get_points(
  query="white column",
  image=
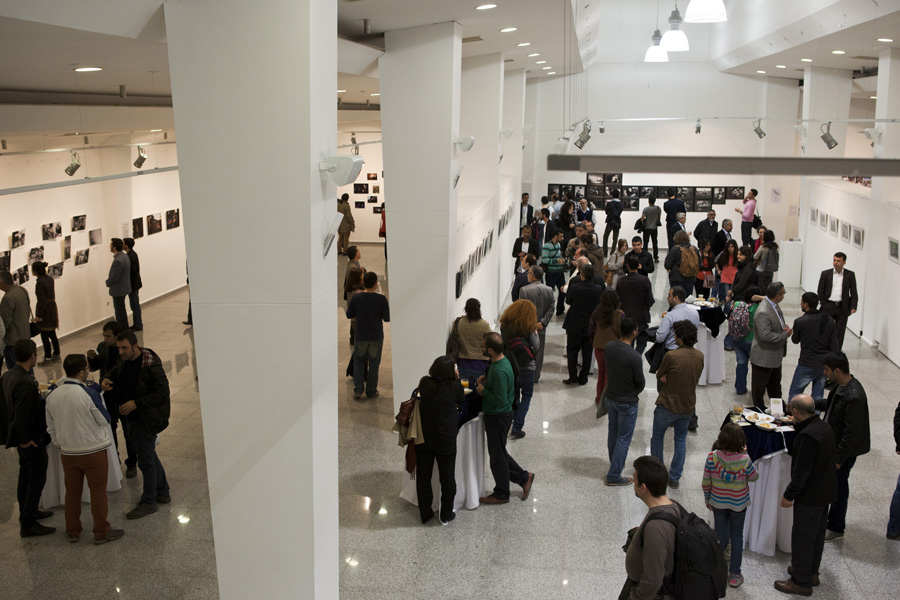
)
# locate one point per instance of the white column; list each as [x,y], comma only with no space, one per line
[826,95]
[420,84]
[514,118]
[781,98]
[481,115]
[254,119]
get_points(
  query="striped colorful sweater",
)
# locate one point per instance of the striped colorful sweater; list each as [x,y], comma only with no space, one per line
[726,479]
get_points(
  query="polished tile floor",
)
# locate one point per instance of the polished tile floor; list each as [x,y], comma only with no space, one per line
[564,542]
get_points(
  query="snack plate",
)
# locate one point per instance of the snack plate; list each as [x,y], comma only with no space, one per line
[745,424]
[468,391]
[755,417]
[705,303]
[766,426]
[784,428]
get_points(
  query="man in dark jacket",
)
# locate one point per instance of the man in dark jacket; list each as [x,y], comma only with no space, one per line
[525,245]
[119,280]
[706,229]
[613,211]
[645,261]
[136,284]
[636,294]
[814,331]
[582,297]
[746,275]
[142,392]
[838,295]
[24,427]
[672,207]
[847,411]
[722,237]
[893,528]
[813,485]
[521,279]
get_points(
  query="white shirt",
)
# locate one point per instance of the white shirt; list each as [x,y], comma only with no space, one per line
[727,236]
[837,285]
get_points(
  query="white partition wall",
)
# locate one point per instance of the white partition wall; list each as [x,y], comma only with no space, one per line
[420,94]
[255,222]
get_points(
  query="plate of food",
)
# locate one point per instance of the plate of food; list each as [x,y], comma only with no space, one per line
[745,424]
[468,391]
[755,417]
[704,303]
[766,426]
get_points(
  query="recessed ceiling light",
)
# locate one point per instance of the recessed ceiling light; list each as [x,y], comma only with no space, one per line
[375,94]
[486,7]
[533,54]
[541,62]
[86,69]
[546,68]
[838,52]
[873,97]
[780,67]
[341,91]
[155,130]
[508,30]
[523,44]
[887,40]
[552,73]
[761,72]
[805,60]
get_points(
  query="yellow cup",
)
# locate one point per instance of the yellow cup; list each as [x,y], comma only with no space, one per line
[465,383]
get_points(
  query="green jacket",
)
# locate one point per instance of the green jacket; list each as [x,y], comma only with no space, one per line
[499,388]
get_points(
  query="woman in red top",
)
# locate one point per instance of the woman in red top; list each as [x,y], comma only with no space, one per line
[726,263]
[759,241]
[707,263]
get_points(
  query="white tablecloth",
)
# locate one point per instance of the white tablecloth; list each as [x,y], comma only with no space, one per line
[469,470]
[767,525]
[55,489]
[713,350]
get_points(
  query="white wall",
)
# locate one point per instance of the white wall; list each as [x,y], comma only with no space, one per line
[367,222]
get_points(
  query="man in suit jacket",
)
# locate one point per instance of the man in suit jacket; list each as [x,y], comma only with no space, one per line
[770,334]
[15,309]
[542,297]
[706,230]
[521,279]
[119,280]
[136,284]
[526,212]
[582,297]
[636,294]
[838,301]
[672,207]
[525,245]
[722,237]
[678,225]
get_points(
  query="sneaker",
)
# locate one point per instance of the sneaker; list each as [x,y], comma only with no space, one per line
[833,536]
[619,482]
[446,521]
[357,396]
[72,539]
[130,472]
[111,536]
[36,530]
[160,499]
[141,510]
[673,484]
[735,580]
[517,435]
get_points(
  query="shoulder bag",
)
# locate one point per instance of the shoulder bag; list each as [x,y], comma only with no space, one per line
[453,340]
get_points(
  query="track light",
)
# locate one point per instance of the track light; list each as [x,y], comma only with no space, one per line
[705,11]
[141,157]
[355,149]
[829,140]
[584,136]
[872,133]
[675,40]
[758,130]
[697,127]
[74,165]
[656,53]
[465,142]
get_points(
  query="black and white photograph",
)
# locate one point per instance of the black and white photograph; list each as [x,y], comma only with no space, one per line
[376,189]
[137,227]
[81,257]
[568,191]
[718,195]
[595,179]
[608,191]
[813,215]
[631,191]
[833,226]
[55,271]
[79,222]
[154,223]
[553,188]
[4,260]
[702,204]
[685,193]
[648,190]
[67,247]
[377,210]
[18,239]
[845,231]
[614,178]
[631,203]
[735,193]
[359,204]
[372,199]
[894,250]
[594,191]
[51,231]
[823,221]
[688,204]
[858,238]
[703,193]
[579,191]
[35,254]
[173,218]
[372,176]
[95,237]
[360,188]
[598,204]
[459,283]
[21,275]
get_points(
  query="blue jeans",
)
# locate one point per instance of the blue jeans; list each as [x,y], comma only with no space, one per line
[362,351]
[722,289]
[155,482]
[526,382]
[837,513]
[894,520]
[803,376]
[663,418]
[742,353]
[135,302]
[622,417]
[729,525]
[558,280]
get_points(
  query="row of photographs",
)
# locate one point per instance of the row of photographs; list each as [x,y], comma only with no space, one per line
[362,203]
[154,223]
[468,268]
[52,231]
[633,204]
[505,218]
[363,188]
[595,192]
[847,232]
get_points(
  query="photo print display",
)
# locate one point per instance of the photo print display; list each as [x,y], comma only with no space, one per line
[95,237]
[51,231]
[372,176]
[55,271]
[579,191]
[688,204]
[647,191]
[595,179]
[703,193]
[21,275]
[685,193]
[631,191]
[67,247]
[858,238]
[18,239]
[823,221]
[832,226]
[137,227]
[608,191]
[360,188]
[154,223]
[614,178]
[631,203]
[79,222]
[894,250]
[81,257]
[845,231]
[359,204]
[702,204]
[376,189]
[718,195]
[553,188]
[372,199]
[566,192]
[35,254]
[4,260]
[173,218]
[594,192]
[813,215]
[377,210]
[735,193]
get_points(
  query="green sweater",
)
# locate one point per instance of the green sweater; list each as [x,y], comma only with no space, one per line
[499,388]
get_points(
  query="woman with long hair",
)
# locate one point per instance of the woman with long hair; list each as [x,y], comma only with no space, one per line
[615,264]
[727,265]
[567,221]
[707,263]
[760,239]
[440,395]
[519,320]
[470,329]
[46,314]
[766,259]
[605,327]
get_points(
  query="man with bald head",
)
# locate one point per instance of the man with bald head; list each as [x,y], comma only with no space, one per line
[812,488]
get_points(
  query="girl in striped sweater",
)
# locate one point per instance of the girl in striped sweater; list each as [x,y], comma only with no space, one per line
[726,479]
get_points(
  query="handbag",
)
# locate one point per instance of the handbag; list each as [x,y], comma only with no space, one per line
[453,340]
[406,409]
[33,328]
[709,280]
[757,221]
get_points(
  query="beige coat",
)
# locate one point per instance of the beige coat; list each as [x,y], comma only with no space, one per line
[348,224]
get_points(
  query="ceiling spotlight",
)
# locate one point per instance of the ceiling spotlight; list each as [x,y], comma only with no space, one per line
[656,53]
[88,69]
[601,128]
[375,94]
[758,130]
[540,62]
[697,127]
[780,67]
[551,72]
[533,54]
[341,91]
[805,60]
[523,44]
[873,97]
[486,7]
[829,140]
[465,142]
[546,68]
[584,136]
[872,133]
[674,40]
[508,30]
[761,72]
[73,166]
[886,40]
[141,157]
[838,52]
[705,11]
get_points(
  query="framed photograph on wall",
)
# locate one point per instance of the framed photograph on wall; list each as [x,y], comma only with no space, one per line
[4,260]
[734,193]
[859,238]
[372,176]
[833,226]
[688,204]
[55,271]
[823,221]
[685,193]
[718,195]
[377,210]
[359,204]
[173,218]
[579,192]
[18,239]
[137,227]
[595,179]
[894,250]
[95,237]
[553,188]
[154,223]
[608,191]
[566,191]
[631,191]
[593,192]
[21,275]
[647,191]
[631,203]
[66,248]
[81,257]
[376,189]
[35,255]
[372,199]
[360,188]
[813,215]
[614,178]
[703,193]
[51,231]
[845,231]
[702,204]
[79,222]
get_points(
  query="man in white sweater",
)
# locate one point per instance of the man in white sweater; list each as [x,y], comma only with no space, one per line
[78,425]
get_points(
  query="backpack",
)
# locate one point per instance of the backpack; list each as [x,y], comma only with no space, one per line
[739,320]
[521,350]
[700,571]
[690,263]
[769,261]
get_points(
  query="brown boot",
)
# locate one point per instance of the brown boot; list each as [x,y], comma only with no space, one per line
[789,587]
[813,579]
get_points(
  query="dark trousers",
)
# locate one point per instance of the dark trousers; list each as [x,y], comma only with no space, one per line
[837,514]
[807,541]
[131,456]
[615,235]
[9,357]
[135,301]
[121,315]
[94,467]
[669,235]
[503,467]
[49,340]
[747,233]
[651,234]
[155,482]
[579,341]
[446,462]
[834,310]
[32,477]
[764,380]
[555,279]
